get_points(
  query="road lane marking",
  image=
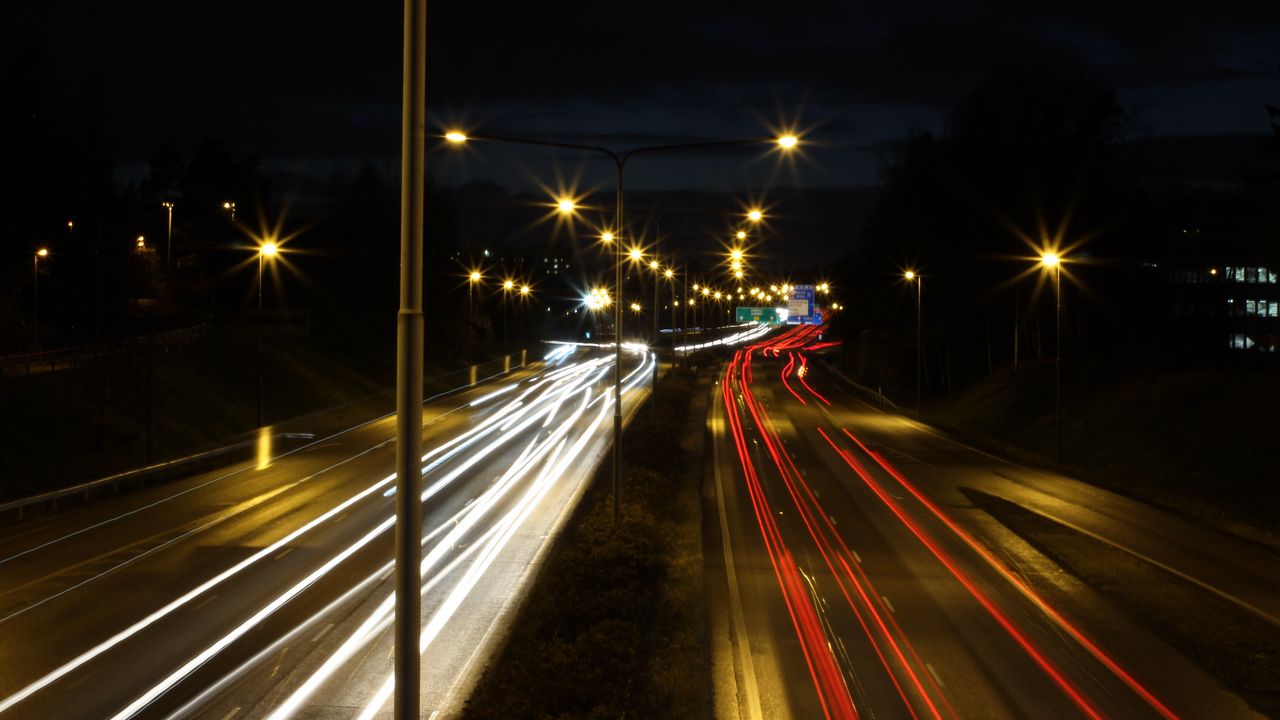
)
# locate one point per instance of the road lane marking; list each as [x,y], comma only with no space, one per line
[234,712]
[322,633]
[751,691]
[856,556]
[282,554]
[935,674]
[888,604]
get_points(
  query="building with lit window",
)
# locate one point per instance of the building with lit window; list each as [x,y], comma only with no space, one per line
[1225,295]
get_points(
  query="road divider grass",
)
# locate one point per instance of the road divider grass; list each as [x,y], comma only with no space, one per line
[614,625]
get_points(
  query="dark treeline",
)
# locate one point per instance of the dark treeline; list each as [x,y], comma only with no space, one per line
[1033,160]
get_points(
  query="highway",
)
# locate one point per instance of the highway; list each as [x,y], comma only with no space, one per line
[849,576]
[264,590]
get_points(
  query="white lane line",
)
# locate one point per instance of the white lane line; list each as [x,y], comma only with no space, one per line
[751,690]
[833,520]
[856,556]
[935,674]
[322,633]
[888,604]
[234,712]
[282,554]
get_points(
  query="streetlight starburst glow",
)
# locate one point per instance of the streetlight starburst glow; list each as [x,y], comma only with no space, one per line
[566,206]
[455,137]
[1050,259]
[788,141]
[268,249]
[755,215]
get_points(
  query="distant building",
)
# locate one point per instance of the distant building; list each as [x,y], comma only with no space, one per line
[1224,295]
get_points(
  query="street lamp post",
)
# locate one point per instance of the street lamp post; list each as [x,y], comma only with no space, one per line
[168,249]
[35,295]
[409,361]
[507,287]
[913,276]
[266,250]
[472,279]
[1052,261]
[786,143]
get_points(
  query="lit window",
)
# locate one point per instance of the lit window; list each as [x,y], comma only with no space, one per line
[1262,274]
[1250,308]
[1239,274]
[1271,277]
[1274,309]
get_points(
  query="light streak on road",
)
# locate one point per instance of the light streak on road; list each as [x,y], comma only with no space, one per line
[832,690]
[1022,587]
[1014,632]
[443,452]
[835,559]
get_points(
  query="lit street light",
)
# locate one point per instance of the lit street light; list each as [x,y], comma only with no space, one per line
[472,279]
[231,208]
[168,251]
[1051,261]
[755,215]
[266,250]
[620,160]
[507,287]
[912,276]
[35,294]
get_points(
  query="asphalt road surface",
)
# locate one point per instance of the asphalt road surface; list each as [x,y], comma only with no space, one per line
[264,589]
[850,577]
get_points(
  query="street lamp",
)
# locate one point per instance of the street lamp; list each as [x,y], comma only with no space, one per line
[620,159]
[267,250]
[507,287]
[913,276]
[1052,261]
[168,250]
[472,279]
[521,312]
[35,293]
[755,215]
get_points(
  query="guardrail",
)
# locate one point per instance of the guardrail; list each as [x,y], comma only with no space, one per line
[875,396]
[53,496]
[51,360]
[436,385]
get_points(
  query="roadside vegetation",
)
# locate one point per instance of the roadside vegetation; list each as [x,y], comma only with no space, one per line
[614,625]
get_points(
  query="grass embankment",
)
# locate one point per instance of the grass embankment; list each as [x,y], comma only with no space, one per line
[614,625]
[1198,442]
[75,425]
[1240,650]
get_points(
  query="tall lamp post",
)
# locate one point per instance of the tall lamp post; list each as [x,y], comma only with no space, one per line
[1052,261]
[913,276]
[472,279]
[35,294]
[266,250]
[168,248]
[786,143]
[507,287]
[409,361]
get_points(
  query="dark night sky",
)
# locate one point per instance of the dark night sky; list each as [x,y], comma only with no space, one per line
[308,85]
